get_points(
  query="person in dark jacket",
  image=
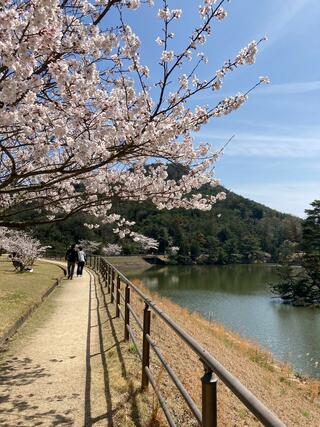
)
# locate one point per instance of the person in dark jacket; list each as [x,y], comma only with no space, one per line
[71,258]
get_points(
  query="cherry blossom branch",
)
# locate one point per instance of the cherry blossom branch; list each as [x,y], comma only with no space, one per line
[79,126]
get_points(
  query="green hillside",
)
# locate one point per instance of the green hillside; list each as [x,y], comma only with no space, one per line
[236,230]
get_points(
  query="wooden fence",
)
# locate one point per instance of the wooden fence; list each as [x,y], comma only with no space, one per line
[120,290]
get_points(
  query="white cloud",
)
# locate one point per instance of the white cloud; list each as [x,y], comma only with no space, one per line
[291,198]
[255,145]
[289,88]
[286,17]
[292,88]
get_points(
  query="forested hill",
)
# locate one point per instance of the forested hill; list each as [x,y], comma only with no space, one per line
[236,230]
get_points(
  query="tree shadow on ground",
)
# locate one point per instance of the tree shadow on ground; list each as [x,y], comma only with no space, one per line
[105,319]
[18,408]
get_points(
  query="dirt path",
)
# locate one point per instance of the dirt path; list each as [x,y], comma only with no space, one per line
[69,366]
[43,368]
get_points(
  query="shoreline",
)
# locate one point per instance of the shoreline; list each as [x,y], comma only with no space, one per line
[300,371]
[295,399]
[139,261]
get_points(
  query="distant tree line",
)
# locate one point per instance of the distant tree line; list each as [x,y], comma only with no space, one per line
[236,230]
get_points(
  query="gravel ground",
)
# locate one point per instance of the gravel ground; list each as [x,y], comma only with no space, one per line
[68,365]
[43,368]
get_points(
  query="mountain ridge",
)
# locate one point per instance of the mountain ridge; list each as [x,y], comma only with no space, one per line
[235,230]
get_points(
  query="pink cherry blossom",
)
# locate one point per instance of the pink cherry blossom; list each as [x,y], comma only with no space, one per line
[84,123]
[112,249]
[26,248]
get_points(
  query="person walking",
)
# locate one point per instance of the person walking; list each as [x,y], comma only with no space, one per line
[81,260]
[71,258]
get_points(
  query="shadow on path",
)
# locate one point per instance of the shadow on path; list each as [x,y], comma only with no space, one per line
[18,408]
[106,326]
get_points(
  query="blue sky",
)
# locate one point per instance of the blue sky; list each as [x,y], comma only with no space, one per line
[274,157]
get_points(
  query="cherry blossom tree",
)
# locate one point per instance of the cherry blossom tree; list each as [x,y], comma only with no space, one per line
[26,248]
[83,122]
[90,246]
[173,250]
[112,249]
[145,242]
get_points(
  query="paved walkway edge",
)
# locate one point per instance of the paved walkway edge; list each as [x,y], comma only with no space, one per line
[19,322]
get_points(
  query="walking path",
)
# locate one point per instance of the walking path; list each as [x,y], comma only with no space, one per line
[42,373]
[69,366]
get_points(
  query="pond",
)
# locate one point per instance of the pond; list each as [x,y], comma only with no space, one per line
[238,296]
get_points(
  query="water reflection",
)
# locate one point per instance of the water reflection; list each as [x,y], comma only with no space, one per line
[238,297]
[238,279]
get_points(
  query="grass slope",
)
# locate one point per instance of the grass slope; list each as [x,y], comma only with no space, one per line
[129,263]
[296,401]
[20,291]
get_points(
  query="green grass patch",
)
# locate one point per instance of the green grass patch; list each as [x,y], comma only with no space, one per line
[20,291]
[243,413]
[132,348]
[262,360]
[305,413]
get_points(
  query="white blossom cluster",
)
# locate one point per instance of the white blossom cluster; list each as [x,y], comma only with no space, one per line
[90,246]
[207,8]
[173,250]
[82,123]
[248,54]
[112,249]
[26,247]
[230,104]
[167,56]
[166,14]
[146,243]
[264,80]
[91,226]
[123,228]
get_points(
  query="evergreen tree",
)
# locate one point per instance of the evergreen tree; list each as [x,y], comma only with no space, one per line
[238,230]
[302,286]
[195,250]
[250,247]
[311,242]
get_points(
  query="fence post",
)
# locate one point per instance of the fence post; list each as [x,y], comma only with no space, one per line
[209,398]
[112,285]
[126,312]
[108,278]
[118,296]
[105,270]
[145,346]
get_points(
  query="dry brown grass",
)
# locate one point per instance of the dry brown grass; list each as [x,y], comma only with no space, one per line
[295,401]
[129,263]
[120,366]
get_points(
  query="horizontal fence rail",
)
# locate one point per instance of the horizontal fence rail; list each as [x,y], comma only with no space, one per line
[120,289]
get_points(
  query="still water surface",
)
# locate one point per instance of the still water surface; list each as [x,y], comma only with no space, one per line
[239,298]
